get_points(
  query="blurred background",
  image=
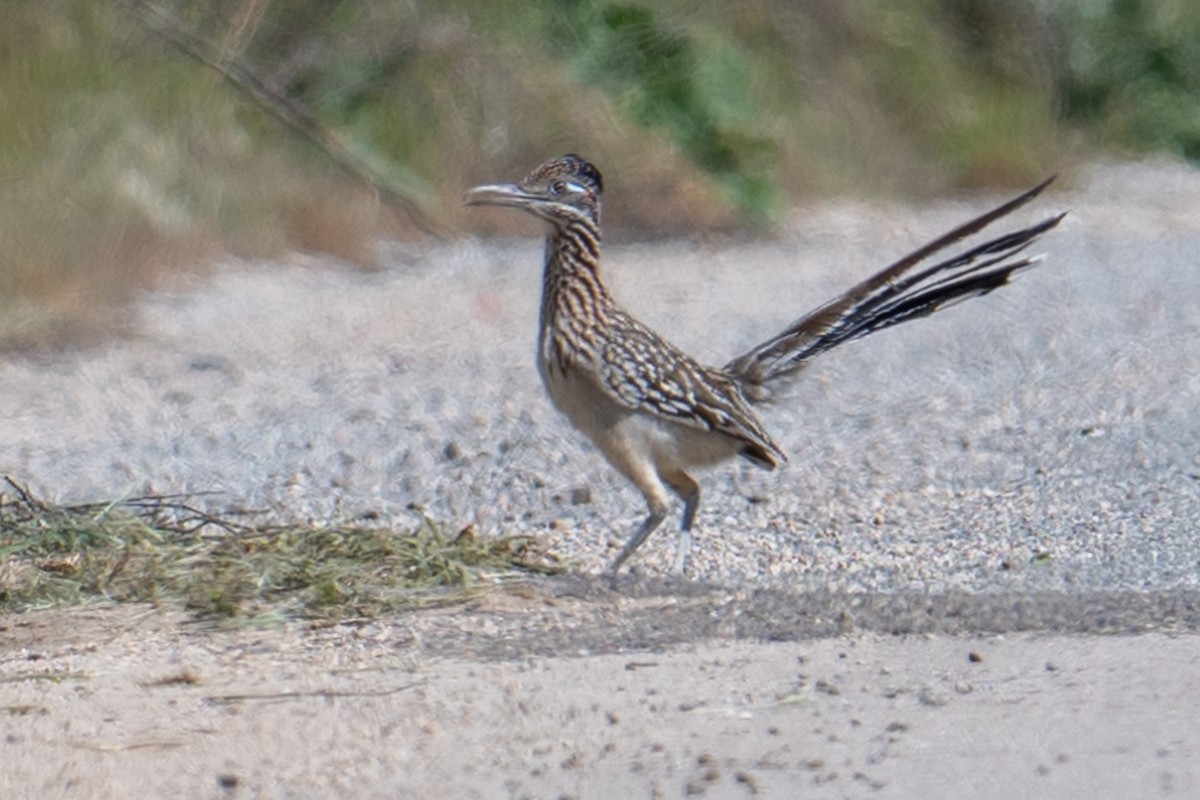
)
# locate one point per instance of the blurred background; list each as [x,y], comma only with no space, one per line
[139,139]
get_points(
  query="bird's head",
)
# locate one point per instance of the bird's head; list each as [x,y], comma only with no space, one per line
[562,190]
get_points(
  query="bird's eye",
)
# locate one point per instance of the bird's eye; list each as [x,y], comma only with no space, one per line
[558,188]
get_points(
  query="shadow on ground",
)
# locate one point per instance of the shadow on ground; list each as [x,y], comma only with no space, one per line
[580,614]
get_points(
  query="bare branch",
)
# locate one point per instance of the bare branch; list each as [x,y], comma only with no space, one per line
[164,24]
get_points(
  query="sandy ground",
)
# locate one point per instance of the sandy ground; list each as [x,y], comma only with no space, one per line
[978,577]
[121,703]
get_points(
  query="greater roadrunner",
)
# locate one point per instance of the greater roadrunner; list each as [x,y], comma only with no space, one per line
[653,411]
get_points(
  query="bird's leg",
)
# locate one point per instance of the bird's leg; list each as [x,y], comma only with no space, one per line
[682,550]
[656,517]
[691,502]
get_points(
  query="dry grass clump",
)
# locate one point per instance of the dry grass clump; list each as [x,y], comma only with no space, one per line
[163,550]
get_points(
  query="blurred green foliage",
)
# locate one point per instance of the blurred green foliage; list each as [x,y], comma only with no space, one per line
[1131,72]
[119,154]
[693,89]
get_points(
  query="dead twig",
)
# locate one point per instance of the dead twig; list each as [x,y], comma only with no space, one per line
[160,21]
[274,697]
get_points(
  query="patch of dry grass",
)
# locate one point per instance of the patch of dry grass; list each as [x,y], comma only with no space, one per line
[164,550]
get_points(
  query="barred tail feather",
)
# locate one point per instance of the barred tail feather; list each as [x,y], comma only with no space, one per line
[897,294]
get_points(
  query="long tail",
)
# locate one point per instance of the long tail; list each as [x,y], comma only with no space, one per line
[898,293]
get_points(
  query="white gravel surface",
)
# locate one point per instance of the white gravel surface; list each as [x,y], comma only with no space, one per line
[1041,438]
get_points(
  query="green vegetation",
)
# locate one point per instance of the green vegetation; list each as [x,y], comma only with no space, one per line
[122,156]
[162,550]
[1132,73]
[692,88]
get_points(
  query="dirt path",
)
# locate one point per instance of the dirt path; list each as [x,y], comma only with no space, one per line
[128,702]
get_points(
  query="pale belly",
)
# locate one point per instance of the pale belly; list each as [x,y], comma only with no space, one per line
[632,439]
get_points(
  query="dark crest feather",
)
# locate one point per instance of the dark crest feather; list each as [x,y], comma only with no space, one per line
[582,169]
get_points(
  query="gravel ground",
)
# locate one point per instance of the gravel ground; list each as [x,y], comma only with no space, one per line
[908,608]
[1041,438]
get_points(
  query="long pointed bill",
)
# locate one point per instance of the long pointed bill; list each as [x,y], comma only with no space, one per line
[498,194]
